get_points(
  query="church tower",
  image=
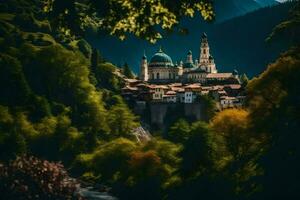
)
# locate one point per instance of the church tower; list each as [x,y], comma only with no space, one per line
[144,69]
[204,51]
[206,61]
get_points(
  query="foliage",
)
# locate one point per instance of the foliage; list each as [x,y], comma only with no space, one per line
[57,111]
[106,78]
[238,148]
[289,29]
[51,137]
[121,120]
[12,143]
[208,105]
[67,81]
[220,155]
[132,168]
[179,131]
[231,125]
[199,170]
[31,178]
[13,85]
[274,109]
[198,151]
[244,80]
[145,19]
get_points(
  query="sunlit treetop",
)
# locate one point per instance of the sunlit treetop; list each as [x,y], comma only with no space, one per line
[146,19]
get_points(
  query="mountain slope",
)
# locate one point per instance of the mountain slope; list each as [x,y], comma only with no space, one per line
[265,3]
[226,9]
[242,43]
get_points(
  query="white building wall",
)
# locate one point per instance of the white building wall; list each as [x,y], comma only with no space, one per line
[162,73]
[188,97]
[158,94]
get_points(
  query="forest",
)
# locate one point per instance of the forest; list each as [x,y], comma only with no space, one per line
[64,122]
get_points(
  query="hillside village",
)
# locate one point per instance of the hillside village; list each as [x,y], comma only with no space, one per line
[161,81]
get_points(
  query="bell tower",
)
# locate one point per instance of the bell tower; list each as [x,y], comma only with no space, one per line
[206,61]
[144,69]
[204,51]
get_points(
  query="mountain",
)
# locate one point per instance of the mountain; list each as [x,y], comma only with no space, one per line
[241,42]
[226,9]
[236,43]
[265,3]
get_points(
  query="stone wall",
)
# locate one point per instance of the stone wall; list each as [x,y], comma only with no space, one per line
[162,112]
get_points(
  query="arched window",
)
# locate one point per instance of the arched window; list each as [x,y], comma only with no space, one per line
[204,51]
[170,76]
[157,76]
[152,76]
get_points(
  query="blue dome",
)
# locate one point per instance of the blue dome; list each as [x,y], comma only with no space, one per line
[160,59]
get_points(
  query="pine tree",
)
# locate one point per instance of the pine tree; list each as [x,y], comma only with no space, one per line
[95,59]
[244,79]
[127,71]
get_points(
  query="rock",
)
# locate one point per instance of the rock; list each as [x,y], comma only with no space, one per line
[89,194]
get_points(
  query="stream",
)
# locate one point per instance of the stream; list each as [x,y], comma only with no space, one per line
[90,194]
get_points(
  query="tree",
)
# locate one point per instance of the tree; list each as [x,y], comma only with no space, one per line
[96,59]
[208,106]
[13,84]
[237,149]
[244,80]
[121,120]
[12,143]
[127,71]
[179,132]
[67,81]
[198,151]
[139,18]
[199,169]
[106,77]
[273,100]
[134,169]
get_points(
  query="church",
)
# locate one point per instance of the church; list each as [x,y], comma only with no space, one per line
[161,68]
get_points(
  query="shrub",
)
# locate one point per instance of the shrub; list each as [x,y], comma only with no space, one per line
[31,178]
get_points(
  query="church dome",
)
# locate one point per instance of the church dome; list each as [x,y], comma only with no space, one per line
[160,59]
